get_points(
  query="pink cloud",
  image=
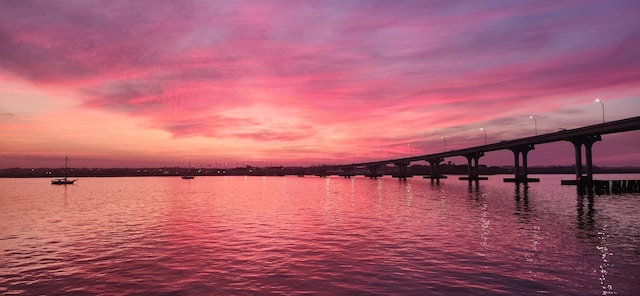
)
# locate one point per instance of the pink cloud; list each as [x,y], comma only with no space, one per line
[376,74]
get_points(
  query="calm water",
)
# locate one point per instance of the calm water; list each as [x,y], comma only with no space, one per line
[290,235]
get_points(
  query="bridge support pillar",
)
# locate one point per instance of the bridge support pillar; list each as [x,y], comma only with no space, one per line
[472,166]
[584,174]
[520,173]
[373,171]
[348,171]
[322,172]
[435,169]
[402,170]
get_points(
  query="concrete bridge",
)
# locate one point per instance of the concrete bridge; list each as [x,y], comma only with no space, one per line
[579,137]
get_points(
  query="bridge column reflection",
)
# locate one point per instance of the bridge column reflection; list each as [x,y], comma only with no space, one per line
[523,211]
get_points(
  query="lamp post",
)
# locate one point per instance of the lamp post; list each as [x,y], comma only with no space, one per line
[601,103]
[535,122]
[409,145]
[485,135]
[445,143]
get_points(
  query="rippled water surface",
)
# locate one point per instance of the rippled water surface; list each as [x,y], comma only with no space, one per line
[291,235]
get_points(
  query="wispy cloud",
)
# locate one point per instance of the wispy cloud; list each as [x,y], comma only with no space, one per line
[292,72]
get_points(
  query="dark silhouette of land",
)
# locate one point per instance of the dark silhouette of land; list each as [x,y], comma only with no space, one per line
[417,169]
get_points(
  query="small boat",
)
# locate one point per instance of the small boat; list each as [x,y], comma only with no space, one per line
[189,175]
[63,181]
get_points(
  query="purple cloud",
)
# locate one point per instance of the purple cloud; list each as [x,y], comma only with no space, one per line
[366,70]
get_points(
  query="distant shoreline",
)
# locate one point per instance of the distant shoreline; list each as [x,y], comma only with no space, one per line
[447,169]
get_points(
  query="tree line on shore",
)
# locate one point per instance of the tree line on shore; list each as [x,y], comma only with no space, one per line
[416,169]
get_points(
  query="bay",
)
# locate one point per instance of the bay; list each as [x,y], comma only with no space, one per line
[320,236]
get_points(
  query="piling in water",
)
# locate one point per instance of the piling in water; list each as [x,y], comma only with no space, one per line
[608,187]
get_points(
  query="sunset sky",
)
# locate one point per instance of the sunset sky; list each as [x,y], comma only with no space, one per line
[163,83]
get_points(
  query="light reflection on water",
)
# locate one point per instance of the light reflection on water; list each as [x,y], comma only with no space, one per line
[290,235]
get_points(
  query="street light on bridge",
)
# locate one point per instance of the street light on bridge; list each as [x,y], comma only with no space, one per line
[410,153]
[445,143]
[601,103]
[535,122]
[485,134]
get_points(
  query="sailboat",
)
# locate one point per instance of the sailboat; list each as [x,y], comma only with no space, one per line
[63,181]
[188,175]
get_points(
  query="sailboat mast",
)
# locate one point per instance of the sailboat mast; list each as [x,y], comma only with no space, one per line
[66,167]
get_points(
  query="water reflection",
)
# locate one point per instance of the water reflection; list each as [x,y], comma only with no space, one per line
[596,235]
[586,223]
[316,236]
[605,255]
[409,195]
[522,212]
[64,194]
[484,234]
[379,195]
[479,201]
[524,215]
[329,203]
[474,186]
